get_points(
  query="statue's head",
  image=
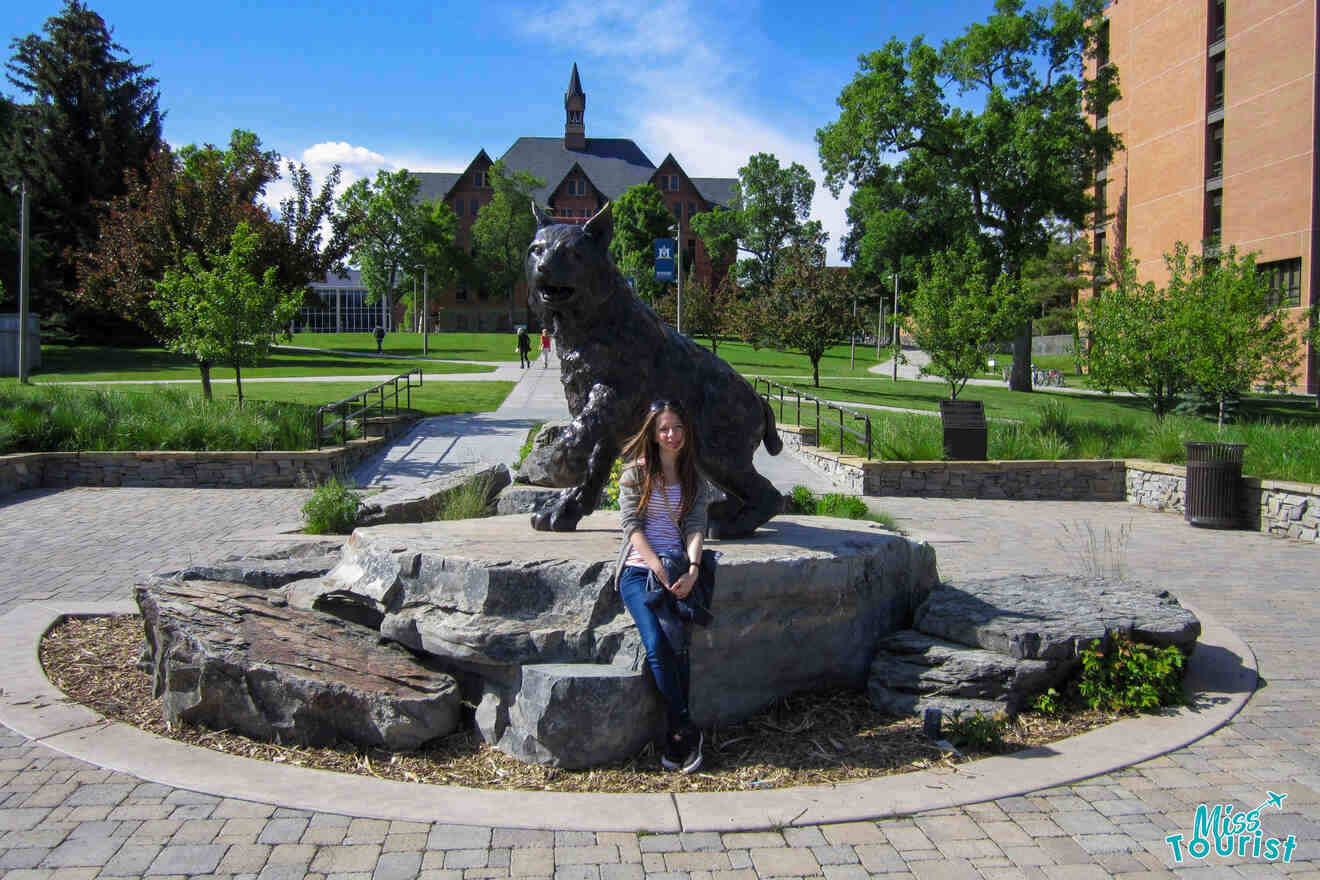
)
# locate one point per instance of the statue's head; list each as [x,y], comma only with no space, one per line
[568,266]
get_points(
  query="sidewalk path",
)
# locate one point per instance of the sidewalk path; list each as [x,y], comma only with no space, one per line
[60,817]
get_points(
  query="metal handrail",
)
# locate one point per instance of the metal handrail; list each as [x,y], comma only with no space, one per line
[863,436]
[346,410]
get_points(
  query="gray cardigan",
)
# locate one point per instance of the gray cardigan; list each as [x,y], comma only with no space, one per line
[632,519]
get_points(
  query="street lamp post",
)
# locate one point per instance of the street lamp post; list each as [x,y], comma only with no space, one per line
[678,272]
[896,345]
[24,267]
[852,337]
[426,323]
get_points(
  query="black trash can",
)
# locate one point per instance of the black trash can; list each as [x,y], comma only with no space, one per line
[1214,485]
[965,433]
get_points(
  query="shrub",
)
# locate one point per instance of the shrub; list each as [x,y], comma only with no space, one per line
[332,509]
[1128,676]
[468,501]
[842,506]
[975,731]
[609,495]
[800,500]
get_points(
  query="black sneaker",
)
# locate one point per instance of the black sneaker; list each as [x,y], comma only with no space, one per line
[691,744]
[671,758]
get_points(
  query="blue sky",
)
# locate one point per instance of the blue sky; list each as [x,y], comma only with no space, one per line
[424,86]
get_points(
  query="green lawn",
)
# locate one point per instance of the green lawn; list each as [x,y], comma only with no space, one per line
[769,362]
[458,346]
[432,399]
[111,364]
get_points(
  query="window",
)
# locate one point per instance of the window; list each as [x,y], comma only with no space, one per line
[1285,277]
[458,207]
[1102,45]
[1099,254]
[1218,20]
[673,183]
[1215,159]
[1214,217]
[663,182]
[474,206]
[1101,190]
[692,209]
[1217,84]
[479,178]
[691,247]
[677,210]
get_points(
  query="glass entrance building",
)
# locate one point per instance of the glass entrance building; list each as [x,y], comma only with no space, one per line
[343,307]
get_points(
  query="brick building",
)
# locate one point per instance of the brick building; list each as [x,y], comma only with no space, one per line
[581,174]
[1219,125]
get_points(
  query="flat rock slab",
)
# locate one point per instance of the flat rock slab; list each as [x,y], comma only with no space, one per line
[913,671]
[518,498]
[798,605]
[273,569]
[232,656]
[1051,617]
[421,501]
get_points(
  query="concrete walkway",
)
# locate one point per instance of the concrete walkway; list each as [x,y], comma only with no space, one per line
[64,817]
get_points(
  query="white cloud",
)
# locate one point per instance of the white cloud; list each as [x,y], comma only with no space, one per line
[356,162]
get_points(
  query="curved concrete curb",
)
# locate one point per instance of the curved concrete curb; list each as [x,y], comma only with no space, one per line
[1222,671]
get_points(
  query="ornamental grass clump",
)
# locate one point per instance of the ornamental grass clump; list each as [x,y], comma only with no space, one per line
[332,509]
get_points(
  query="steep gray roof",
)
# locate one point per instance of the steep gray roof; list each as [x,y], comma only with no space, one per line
[716,190]
[574,84]
[612,164]
[435,184]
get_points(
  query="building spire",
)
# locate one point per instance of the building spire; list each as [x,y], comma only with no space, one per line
[575,108]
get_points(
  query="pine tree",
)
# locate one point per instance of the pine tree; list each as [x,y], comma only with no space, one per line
[92,114]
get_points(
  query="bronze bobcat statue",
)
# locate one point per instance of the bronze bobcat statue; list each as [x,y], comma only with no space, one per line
[617,357]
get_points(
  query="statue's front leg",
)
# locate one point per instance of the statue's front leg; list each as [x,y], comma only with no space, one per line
[588,447]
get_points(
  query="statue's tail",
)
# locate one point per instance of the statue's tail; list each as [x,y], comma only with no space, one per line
[770,437]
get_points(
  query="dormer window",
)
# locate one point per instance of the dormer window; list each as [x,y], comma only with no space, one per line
[479,178]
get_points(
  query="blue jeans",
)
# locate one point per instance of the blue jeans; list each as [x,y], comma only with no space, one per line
[671,669]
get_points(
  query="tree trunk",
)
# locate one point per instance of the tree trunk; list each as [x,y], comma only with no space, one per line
[1020,378]
[715,345]
[205,367]
[238,381]
[815,372]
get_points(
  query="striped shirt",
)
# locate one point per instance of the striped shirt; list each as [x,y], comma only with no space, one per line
[661,528]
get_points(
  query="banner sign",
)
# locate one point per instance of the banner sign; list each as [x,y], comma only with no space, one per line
[664,259]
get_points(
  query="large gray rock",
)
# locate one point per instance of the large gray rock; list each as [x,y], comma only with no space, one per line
[572,714]
[1050,617]
[229,656]
[538,467]
[912,672]
[524,499]
[279,566]
[800,605]
[421,501]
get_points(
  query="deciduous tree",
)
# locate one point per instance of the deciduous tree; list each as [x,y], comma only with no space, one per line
[385,230]
[229,311]
[1026,156]
[504,228]
[961,307]
[809,307]
[767,214]
[445,262]
[640,217]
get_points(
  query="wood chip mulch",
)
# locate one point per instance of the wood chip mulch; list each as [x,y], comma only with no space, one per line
[806,739]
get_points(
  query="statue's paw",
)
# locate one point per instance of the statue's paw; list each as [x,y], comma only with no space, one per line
[562,516]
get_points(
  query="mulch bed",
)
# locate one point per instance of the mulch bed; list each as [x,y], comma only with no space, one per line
[806,739]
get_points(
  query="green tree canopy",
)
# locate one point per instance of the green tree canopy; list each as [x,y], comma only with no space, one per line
[91,114]
[640,217]
[504,228]
[226,311]
[809,307]
[961,307]
[767,214]
[1025,157]
[437,251]
[385,229]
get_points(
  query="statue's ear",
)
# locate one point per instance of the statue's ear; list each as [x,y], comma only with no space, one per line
[601,226]
[542,218]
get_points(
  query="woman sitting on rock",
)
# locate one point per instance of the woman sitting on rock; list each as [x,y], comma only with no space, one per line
[662,505]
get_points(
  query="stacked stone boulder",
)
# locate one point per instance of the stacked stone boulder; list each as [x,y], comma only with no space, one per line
[991,645]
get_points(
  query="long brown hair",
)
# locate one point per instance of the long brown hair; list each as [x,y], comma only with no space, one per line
[643,446]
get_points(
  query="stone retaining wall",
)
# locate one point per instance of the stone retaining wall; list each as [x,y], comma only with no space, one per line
[1290,510]
[203,470]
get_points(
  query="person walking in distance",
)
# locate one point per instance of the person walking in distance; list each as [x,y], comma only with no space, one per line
[545,347]
[524,348]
